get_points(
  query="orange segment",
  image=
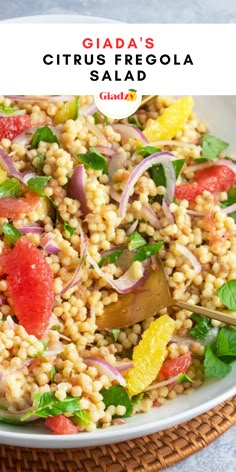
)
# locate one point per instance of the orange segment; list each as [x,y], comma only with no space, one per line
[149,354]
[171,121]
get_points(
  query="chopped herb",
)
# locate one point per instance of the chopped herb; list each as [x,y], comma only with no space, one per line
[37,184]
[46,404]
[110,258]
[52,209]
[9,188]
[115,333]
[147,251]
[39,353]
[7,110]
[134,121]
[213,366]
[136,399]
[225,346]
[212,147]
[52,373]
[182,378]
[68,229]
[39,162]
[43,134]
[82,418]
[56,327]
[98,115]
[202,326]
[231,198]
[94,160]
[10,421]
[146,151]
[136,240]
[227,294]
[117,395]
[11,232]
[178,166]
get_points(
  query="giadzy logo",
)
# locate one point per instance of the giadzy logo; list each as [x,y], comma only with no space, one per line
[118,104]
[130,95]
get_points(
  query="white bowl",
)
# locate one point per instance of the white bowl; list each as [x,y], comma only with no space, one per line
[219,112]
[59,18]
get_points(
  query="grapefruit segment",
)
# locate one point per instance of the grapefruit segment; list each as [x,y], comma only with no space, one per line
[30,285]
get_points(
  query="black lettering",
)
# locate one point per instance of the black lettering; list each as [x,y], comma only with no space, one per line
[77,60]
[188,60]
[66,56]
[46,59]
[117,58]
[128,60]
[94,75]
[141,75]
[101,59]
[165,59]
[106,76]
[151,59]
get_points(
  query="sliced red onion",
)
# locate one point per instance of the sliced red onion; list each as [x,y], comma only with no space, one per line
[54,350]
[34,229]
[76,188]
[10,323]
[229,209]
[118,421]
[190,256]
[123,366]
[76,279]
[115,195]
[132,228]
[167,212]
[111,250]
[149,215]
[226,162]
[105,368]
[9,165]
[129,131]
[194,213]
[3,300]
[14,113]
[87,110]
[48,244]
[28,98]
[156,385]
[5,414]
[116,163]
[126,283]
[97,132]
[105,150]
[163,158]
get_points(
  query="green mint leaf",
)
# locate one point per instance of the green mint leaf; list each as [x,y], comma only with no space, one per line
[115,333]
[37,184]
[227,294]
[11,232]
[212,147]
[146,151]
[214,367]
[225,347]
[46,404]
[9,188]
[52,209]
[147,251]
[110,258]
[68,229]
[43,134]
[39,162]
[82,418]
[182,378]
[99,117]
[117,395]
[136,240]
[94,160]
[178,166]
[202,327]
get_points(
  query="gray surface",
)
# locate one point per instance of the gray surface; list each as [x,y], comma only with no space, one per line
[221,455]
[133,11]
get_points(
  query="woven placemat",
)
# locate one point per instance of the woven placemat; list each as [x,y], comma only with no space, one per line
[147,454]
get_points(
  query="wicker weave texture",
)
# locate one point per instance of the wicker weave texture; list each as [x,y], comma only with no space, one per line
[147,454]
